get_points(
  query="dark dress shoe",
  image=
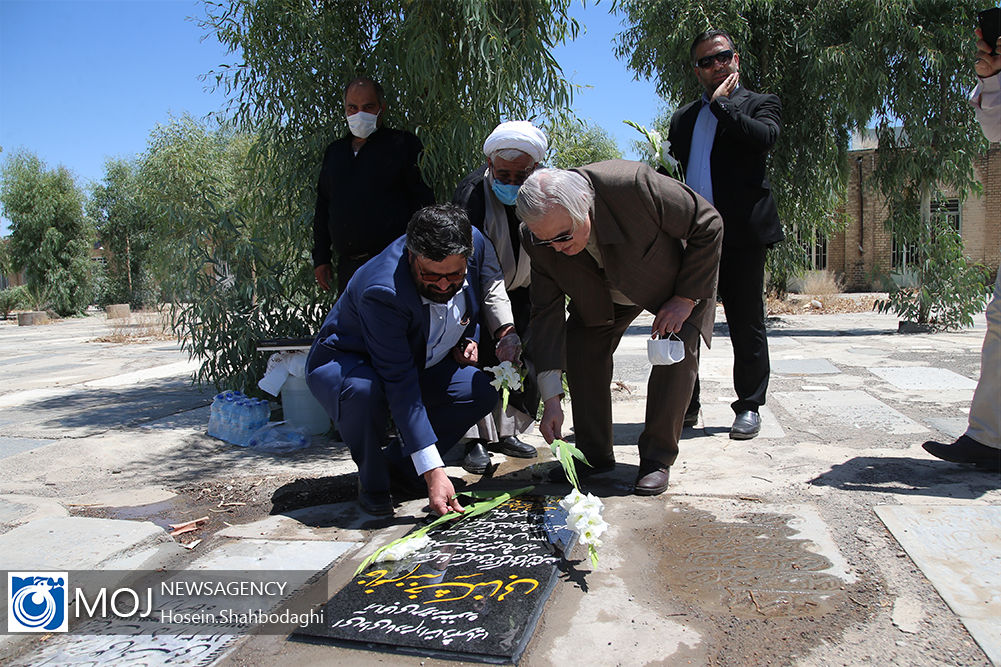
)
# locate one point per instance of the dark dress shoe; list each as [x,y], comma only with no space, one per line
[745,426]
[477,460]
[966,450]
[652,479]
[376,504]
[558,476]
[512,446]
[691,418]
[406,487]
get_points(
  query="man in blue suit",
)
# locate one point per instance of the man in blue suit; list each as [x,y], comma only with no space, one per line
[402,341]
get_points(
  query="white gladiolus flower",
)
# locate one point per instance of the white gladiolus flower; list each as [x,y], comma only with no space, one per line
[506,376]
[404,549]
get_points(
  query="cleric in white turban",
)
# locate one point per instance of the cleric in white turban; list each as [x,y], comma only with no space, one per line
[513,150]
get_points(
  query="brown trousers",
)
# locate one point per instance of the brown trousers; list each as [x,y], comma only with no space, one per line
[589,376]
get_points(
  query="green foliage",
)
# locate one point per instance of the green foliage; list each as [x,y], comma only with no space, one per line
[229,271]
[451,69]
[50,237]
[835,66]
[123,224]
[13,298]
[574,143]
[950,289]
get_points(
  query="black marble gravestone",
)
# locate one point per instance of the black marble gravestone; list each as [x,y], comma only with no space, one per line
[475,593]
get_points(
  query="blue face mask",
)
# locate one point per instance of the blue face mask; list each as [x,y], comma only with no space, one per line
[507,194]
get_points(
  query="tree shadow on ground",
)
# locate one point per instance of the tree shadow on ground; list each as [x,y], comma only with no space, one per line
[899,475]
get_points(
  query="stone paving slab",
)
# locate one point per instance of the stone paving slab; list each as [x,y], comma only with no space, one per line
[951,426]
[959,550]
[853,409]
[923,378]
[11,446]
[74,542]
[803,367]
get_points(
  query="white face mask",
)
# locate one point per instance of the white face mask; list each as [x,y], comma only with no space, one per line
[665,351]
[362,124]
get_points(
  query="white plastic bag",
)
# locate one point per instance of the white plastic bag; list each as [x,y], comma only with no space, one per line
[278,438]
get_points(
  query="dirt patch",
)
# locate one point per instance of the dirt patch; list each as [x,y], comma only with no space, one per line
[802,304]
[758,592]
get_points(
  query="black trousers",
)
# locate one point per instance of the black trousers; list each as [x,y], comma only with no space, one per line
[741,286]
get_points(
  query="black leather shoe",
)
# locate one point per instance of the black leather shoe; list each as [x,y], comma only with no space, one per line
[512,446]
[966,450]
[376,504]
[691,418]
[557,476]
[652,479]
[477,460]
[745,426]
[407,487]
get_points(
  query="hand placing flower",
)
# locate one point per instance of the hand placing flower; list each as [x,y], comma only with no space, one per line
[507,378]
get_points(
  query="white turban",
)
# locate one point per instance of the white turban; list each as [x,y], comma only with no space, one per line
[520,135]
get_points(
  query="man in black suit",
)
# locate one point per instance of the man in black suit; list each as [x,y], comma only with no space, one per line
[723,140]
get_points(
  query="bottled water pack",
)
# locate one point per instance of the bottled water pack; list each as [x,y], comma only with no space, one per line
[234,416]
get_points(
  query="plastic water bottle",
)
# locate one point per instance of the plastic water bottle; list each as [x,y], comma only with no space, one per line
[261,414]
[228,430]
[215,415]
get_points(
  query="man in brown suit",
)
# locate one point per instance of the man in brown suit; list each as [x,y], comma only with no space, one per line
[617,238]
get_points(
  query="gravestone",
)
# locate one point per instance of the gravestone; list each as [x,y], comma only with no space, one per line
[474,593]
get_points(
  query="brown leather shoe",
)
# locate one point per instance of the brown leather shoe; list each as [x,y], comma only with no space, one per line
[652,479]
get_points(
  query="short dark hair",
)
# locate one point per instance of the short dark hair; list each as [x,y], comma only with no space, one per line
[366,81]
[706,36]
[437,232]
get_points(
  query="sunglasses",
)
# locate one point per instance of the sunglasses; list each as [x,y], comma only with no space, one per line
[433,277]
[721,57]
[562,238]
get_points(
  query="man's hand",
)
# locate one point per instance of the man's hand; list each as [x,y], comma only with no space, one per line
[986,65]
[552,419]
[441,493]
[324,275]
[466,353]
[727,87]
[672,315]
[509,348]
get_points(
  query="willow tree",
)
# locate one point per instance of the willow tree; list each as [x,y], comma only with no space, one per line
[452,70]
[836,66]
[50,237]
[574,143]
[120,216]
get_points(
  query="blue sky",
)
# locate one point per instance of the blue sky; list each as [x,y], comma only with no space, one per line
[85,80]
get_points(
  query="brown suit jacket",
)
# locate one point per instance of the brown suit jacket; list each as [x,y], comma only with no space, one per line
[657,238]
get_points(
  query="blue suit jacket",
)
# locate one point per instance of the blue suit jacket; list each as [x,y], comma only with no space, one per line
[380,320]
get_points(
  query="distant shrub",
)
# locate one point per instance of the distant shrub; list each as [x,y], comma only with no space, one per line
[14,298]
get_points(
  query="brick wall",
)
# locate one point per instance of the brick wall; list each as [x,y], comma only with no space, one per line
[867,212]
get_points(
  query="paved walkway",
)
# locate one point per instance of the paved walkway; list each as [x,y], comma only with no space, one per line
[830,539]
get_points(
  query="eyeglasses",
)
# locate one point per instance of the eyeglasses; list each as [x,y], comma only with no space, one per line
[512,177]
[721,57]
[561,238]
[433,277]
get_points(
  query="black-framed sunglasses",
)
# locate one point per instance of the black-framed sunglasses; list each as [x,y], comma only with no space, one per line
[561,238]
[433,277]
[721,57]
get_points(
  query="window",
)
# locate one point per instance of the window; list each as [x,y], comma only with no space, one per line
[814,248]
[949,208]
[905,253]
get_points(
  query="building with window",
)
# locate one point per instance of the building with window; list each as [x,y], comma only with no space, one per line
[867,248]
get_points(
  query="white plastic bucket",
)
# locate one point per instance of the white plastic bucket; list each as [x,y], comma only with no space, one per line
[301,408]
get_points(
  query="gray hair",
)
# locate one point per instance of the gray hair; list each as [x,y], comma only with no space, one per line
[509,154]
[546,189]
